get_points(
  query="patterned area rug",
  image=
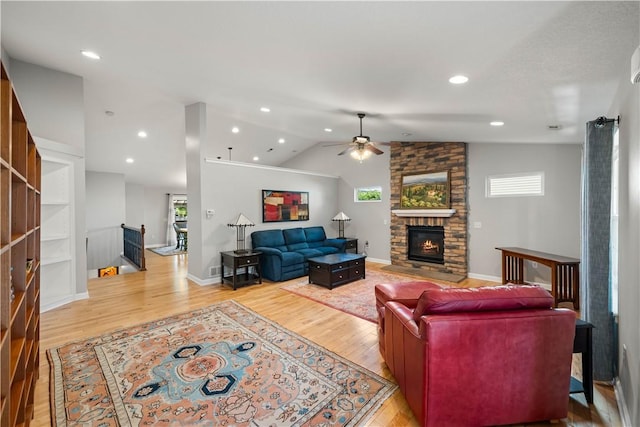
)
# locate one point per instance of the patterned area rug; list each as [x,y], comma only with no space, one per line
[356,298]
[167,251]
[221,365]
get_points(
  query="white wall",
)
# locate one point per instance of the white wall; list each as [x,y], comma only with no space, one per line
[134,204]
[370,221]
[105,199]
[627,105]
[53,102]
[549,223]
[105,212]
[239,190]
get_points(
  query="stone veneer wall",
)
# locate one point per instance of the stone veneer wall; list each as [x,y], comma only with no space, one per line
[410,158]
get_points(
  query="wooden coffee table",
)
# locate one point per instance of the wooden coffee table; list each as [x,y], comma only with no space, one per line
[336,269]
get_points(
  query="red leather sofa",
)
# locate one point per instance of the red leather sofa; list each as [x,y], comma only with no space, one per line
[477,356]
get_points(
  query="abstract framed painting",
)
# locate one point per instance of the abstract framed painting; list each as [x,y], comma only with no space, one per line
[282,206]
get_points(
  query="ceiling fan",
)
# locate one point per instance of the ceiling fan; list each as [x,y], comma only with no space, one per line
[361,146]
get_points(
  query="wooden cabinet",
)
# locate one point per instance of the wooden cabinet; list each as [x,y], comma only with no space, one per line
[19,261]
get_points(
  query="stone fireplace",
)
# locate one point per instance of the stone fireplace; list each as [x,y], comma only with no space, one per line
[412,158]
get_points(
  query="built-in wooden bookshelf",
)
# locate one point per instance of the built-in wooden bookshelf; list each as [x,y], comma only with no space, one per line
[20,184]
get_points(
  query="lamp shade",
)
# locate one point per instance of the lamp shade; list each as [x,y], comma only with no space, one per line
[341,216]
[241,221]
[240,224]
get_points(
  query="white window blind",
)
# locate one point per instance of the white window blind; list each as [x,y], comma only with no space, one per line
[523,184]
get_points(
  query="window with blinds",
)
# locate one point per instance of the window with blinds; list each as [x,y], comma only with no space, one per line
[514,185]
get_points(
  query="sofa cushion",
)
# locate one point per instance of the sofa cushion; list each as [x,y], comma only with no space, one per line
[309,253]
[295,239]
[326,250]
[315,236]
[488,298]
[268,238]
[291,258]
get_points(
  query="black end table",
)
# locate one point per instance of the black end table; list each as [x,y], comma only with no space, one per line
[240,265]
[582,344]
[351,244]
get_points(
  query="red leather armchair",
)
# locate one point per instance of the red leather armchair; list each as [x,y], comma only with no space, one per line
[478,356]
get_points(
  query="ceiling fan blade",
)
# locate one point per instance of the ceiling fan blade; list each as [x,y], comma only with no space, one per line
[373,148]
[333,144]
[347,150]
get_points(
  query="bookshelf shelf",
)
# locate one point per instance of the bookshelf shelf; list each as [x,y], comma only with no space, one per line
[20,181]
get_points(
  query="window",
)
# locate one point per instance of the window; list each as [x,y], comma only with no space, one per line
[367,194]
[522,184]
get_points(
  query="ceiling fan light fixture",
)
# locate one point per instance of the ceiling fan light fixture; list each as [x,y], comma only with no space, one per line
[361,154]
[361,139]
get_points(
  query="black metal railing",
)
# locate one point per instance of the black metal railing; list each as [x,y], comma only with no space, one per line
[133,239]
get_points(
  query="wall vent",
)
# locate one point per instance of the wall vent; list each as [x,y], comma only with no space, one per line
[214,271]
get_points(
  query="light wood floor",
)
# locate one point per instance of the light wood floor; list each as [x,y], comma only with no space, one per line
[124,300]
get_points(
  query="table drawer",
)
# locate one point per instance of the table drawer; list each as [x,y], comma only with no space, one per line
[340,275]
[251,260]
[356,272]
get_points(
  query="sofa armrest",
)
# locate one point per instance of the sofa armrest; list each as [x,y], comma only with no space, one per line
[340,244]
[269,251]
[404,314]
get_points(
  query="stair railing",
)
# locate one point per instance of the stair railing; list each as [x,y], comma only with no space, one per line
[133,239]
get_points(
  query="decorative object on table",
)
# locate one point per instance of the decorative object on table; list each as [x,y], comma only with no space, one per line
[341,217]
[29,265]
[220,365]
[279,206]
[425,191]
[112,270]
[240,224]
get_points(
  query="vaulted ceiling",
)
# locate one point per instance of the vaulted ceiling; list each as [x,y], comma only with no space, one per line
[315,65]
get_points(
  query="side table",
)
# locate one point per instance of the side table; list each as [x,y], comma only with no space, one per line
[351,244]
[582,344]
[240,265]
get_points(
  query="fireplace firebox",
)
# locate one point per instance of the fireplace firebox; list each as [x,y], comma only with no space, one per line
[425,243]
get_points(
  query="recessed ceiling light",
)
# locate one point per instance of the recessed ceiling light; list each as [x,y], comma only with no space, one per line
[90,54]
[281,141]
[235,129]
[497,123]
[459,79]
[265,109]
[142,134]
[109,113]
[256,158]
[129,160]
[328,130]
[406,134]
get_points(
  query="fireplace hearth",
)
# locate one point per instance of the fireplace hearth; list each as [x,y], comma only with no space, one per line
[425,243]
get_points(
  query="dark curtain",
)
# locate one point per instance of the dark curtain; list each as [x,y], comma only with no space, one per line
[595,263]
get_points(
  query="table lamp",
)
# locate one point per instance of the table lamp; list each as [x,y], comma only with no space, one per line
[240,224]
[341,218]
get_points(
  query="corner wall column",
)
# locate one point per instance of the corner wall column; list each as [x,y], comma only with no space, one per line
[196,137]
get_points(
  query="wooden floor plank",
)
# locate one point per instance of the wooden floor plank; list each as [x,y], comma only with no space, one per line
[121,301]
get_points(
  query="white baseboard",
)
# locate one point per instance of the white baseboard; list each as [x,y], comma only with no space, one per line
[380,261]
[484,277]
[206,282]
[63,301]
[622,406]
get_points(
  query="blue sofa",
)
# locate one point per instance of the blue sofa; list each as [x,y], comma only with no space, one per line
[285,252]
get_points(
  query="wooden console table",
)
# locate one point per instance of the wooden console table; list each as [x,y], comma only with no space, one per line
[565,275]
